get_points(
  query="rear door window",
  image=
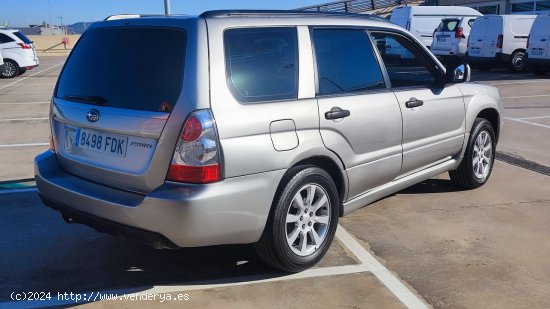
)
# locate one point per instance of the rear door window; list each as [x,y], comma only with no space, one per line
[126,67]
[262,63]
[5,39]
[345,61]
[447,25]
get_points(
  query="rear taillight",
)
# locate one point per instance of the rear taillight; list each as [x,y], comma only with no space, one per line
[459,34]
[196,157]
[24,45]
[500,40]
[52,145]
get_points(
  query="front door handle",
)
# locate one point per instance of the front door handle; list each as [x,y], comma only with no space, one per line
[543,40]
[336,113]
[414,102]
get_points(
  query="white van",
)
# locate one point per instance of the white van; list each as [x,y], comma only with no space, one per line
[421,21]
[538,55]
[500,39]
[450,39]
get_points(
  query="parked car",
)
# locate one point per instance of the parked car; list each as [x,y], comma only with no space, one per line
[235,135]
[19,53]
[450,39]
[421,21]
[537,45]
[2,66]
[500,39]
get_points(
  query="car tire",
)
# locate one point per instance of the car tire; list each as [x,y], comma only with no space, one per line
[302,221]
[477,164]
[11,69]
[22,71]
[517,62]
[541,71]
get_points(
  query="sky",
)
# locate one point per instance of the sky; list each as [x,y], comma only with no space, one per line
[20,13]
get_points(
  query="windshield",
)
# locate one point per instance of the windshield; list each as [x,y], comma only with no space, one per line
[126,67]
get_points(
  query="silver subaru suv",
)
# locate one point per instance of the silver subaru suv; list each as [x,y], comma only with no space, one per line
[263,127]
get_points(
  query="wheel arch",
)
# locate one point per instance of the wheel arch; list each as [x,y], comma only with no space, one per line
[330,166]
[11,59]
[493,116]
[523,50]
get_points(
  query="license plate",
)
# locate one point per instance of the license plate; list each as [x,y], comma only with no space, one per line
[475,51]
[441,40]
[84,139]
[537,52]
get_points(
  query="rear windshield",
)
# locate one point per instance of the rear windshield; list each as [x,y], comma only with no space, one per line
[447,25]
[22,37]
[126,67]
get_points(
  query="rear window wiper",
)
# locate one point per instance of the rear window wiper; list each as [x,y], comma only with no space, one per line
[97,100]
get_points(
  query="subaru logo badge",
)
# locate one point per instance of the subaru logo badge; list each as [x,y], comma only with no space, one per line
[92,115]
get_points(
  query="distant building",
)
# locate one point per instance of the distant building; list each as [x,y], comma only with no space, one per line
[502,6]
[43,29]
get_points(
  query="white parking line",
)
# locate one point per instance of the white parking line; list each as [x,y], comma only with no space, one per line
[368,263]
[23,119]
[528,122]
[24,145]
[521,82]
[23,103]
[538,117]
[24,78]
[39,84]
[527,96]
[389,280]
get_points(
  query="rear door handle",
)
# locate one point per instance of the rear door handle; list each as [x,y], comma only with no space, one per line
[336,113]
[543,40]
[414,102]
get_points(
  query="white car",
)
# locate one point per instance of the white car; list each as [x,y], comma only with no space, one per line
[450,39]
[537,45]
[18,52]
[1,61]
[500,39]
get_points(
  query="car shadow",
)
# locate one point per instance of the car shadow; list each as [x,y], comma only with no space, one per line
[42,253]
[432,186]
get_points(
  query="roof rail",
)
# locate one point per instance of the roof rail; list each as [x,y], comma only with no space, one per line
[126,16]
[292,13]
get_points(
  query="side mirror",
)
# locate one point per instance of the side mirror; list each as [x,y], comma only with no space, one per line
[460,74]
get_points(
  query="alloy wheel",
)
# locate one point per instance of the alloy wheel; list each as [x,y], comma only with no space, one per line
[308,219]
[482,155]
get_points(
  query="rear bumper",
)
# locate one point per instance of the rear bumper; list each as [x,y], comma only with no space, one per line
[233,211]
